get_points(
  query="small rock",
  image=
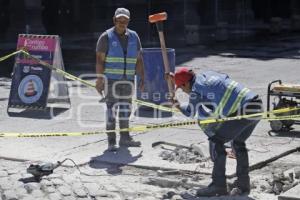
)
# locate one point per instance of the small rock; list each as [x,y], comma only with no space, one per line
[235,192]
[297,172]
[176,197]
[80,193]
[286,187]
[277,187]
[289,175]
[197,149]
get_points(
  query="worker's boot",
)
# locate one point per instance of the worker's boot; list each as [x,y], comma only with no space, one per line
[112,145]
[127,141]
[240,187]
[212,190]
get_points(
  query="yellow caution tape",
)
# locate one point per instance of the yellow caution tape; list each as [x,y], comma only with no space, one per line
[271,115]
[74,78]
[143,128]
[10,55]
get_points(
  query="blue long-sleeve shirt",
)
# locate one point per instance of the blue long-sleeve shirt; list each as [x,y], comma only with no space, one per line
[214,95]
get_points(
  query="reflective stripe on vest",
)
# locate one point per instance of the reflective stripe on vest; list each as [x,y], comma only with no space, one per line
[223,103]
[238,100]
[226,96]
[120,71]
[120,60]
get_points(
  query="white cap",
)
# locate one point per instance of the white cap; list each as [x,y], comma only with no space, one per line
[122,12]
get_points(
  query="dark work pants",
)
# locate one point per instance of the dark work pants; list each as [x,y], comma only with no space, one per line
[236,131]
[118,102]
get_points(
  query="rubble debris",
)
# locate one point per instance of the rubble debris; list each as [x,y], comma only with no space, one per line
[171,183]
[184,155]
[197,150]
[169,195]
[297,172]
[168,172]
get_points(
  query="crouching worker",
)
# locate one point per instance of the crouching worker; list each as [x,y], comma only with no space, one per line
[215,95]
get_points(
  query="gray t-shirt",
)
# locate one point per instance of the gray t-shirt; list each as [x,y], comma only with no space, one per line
[102,43]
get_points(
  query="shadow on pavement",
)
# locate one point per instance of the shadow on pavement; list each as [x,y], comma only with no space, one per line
[148,112]
[48,113]
[191,195]
[119,158]
[290,133]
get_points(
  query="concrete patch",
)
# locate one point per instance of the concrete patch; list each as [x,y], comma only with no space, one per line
[292,194]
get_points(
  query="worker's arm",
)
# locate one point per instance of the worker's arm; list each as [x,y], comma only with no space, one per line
[100,59]
[194,106]
[140,71]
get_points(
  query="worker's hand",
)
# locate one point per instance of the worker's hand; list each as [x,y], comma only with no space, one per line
[175,103]
[141,85]
[100,84]
[169,76]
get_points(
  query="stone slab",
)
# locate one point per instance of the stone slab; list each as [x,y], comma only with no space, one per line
[291,194]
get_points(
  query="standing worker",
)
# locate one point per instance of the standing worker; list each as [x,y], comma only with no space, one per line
[118,59]
[215,95]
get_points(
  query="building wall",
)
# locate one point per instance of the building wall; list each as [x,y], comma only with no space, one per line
[189,21]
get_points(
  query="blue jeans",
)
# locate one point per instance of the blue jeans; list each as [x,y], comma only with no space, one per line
[236,131]
[118,102]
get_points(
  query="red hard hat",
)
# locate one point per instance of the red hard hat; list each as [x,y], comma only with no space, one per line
[182,76]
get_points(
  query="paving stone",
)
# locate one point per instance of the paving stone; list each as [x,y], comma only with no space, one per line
[80,192]
[37,194]
[111,188]
[3,173]
[21,192]
[18,184]
[26,175]
[92,188]
[77,185]
[46,182]
[10,195]
[69,179]
[12,171]
[30,187]
[15,177]
[54,196]
[87,179]
[27,197]
[49,189]
[52,176]
[70,198]
[65,191]
[106,194]
[5,183]
[57,181]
